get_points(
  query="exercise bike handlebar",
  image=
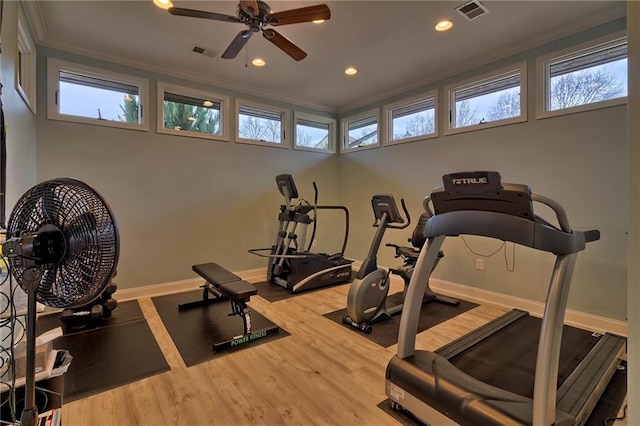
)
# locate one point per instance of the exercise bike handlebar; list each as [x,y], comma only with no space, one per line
[386,213]
[406,213]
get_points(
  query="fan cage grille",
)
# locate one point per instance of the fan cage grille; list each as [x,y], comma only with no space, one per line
[90,232]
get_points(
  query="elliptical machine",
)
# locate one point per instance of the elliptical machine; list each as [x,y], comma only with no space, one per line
[291,263]
[368,293]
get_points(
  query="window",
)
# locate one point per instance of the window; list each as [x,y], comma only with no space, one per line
[188,112]
[591,76]
[25,73]
[314,133]
[260,125]
[492,100]
[89,95]
[360,131]
[411,120]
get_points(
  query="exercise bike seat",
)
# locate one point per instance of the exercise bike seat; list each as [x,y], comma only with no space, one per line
[408,253]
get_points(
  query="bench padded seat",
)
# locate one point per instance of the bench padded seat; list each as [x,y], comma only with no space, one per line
[215,274]
[238,289]
[227,282]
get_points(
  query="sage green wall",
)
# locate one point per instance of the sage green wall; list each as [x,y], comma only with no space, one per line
[181,201]
[178,201]
[577,159]
[20,121]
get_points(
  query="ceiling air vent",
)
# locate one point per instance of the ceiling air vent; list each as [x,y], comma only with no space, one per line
[472,10]
[204,51]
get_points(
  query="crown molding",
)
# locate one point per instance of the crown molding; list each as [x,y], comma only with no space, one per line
[36,22]
[172,71]
[493,56]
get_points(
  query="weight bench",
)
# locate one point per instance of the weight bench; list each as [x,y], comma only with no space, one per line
[225,285]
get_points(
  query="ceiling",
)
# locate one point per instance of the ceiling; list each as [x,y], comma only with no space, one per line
[392,43]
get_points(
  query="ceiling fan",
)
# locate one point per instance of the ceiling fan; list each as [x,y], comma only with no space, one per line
[257,16]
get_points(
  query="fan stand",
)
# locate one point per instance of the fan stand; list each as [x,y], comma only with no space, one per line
[29,416]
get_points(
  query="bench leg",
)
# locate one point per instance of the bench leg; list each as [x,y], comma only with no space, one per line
[240,308]
[207,289]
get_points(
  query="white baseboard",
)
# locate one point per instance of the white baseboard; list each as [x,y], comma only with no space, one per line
[448,288]
[162,289]
[574,318]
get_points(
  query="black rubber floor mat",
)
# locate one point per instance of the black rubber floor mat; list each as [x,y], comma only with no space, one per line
[109,357]
[273,293]
[195,330]
[124,312]
[110,353]
[385,332]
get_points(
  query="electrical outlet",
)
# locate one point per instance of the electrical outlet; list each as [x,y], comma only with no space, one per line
[479,264]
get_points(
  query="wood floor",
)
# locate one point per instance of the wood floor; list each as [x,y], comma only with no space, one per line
[322,374]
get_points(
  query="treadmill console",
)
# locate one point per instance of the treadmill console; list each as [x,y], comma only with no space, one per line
[482,190]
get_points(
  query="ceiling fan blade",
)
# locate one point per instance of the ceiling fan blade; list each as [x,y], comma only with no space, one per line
[250,7]
[178,11]
[296,16]
[237,44]
[284,44]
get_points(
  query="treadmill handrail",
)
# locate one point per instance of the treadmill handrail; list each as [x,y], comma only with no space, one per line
[510,224]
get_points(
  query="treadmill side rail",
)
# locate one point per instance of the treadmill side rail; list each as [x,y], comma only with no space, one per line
[433,382]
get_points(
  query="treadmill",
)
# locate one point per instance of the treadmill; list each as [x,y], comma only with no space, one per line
[428,385]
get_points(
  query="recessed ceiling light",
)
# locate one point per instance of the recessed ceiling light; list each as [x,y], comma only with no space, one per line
[350,71]
[444,25]
[318,21]
[163,4]
[208,104]
[259,62]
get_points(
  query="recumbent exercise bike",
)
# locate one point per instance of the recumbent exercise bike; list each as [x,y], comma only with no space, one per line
[368,294]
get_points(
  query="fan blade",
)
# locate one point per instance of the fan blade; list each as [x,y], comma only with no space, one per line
[296,16]
[250,7]
[178,11]
[284,44]
[237,44]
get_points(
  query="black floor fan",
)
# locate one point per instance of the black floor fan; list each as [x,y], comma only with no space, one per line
[62,248]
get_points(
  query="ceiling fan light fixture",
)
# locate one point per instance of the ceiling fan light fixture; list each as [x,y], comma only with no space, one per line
[318,21]
[444,25]
[351,71]
[163,4]
[259,62]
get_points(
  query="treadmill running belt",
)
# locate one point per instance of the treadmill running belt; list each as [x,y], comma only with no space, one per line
[507,359]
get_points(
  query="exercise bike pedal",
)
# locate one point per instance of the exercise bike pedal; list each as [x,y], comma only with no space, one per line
[365,328]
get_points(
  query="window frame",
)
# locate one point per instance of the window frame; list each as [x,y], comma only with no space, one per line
[318,119]
[54,66]
[224,102]
[25,63]
[544,62]
[284,124]
[344,147]
[479,80]
[387,139]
